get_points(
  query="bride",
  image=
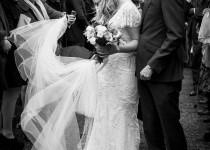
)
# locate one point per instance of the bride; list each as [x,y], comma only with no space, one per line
[60,89]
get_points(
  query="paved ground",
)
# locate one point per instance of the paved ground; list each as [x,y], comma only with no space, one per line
[192,123]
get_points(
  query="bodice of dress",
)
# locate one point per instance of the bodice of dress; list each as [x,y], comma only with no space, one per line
[119,69]
[126,16]
[115,123]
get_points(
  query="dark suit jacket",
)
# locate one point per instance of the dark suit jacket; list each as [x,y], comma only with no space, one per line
[75,33]
[14,9]
[90,9]
[191,29]
[4,31]
[187,11]
[76,51]
[161,39]
[55,4]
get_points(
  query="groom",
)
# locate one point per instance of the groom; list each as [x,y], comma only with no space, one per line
[159,70]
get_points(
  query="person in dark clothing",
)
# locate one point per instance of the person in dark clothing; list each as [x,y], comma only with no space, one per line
[194,45]
[159,70]
[20,12]
[91,12]
[74,34]
[188,14]
[10,90]
[188,10]
[14,9]
[75,45]
[90,9]
[55,4]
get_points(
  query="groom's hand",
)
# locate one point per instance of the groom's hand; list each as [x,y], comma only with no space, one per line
[146,73]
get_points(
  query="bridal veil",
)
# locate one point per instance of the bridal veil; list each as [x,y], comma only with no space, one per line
[59,89]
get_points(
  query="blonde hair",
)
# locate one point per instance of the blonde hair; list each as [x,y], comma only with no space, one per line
[106,9]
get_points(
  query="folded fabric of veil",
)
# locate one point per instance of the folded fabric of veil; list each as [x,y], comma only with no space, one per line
[58,88]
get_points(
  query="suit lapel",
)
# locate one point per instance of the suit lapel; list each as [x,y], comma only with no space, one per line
[144,10]
[83,7]
[3,18]
[23,5]
[2,15]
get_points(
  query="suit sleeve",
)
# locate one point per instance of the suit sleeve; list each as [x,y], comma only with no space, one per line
[52,13]
[2,35]
[173,15]
[81,17]
[188,10]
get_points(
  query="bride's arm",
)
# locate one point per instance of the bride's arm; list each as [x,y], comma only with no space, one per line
[132,45]
[123,47]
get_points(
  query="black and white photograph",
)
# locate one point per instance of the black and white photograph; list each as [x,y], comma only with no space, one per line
[104,74]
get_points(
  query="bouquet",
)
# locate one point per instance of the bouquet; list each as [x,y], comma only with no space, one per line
[101,35]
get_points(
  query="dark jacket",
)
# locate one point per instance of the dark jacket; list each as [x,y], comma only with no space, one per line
[55,4]
[192,35]
[90,9]
[161,42]
[14,9]
[4,31]
[187,11]
[75,35]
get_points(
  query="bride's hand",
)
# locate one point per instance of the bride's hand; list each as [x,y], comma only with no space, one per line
[101,50]
[109,49]
[121,42]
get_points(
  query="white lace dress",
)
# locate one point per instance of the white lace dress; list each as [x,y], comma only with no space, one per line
[115,124]
[59,88]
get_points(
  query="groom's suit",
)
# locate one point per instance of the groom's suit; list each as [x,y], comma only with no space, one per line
[160,46]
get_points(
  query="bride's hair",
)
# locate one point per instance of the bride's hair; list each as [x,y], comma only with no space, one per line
[106,9]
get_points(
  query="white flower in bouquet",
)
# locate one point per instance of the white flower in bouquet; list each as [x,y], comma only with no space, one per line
[109,37]
[89,36]
[101,35]
[101,29]
[92,40]
[89,32]
[90,29]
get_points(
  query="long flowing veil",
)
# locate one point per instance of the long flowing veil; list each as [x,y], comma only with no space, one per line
[58,89]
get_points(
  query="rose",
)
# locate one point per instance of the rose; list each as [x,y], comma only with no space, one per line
[89,36]
[100,34]
[101,29]
[90,29]
[89,32]
[108,36]
[92,40]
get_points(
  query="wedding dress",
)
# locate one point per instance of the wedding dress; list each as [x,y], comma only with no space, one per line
[60,88]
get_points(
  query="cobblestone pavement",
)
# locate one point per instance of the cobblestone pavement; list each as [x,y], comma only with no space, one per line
[192,123]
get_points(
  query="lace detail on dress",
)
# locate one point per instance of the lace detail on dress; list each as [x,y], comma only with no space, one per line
[115,124]
[127,16]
